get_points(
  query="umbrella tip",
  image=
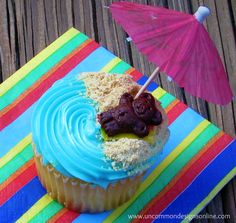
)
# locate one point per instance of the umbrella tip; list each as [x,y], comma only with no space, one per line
[202,13]
[169,78]
[129,39]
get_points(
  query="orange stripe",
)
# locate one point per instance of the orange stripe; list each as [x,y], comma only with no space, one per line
[130,70]
[136,75]
[43,78]
[57,215]
[180,174]
[16,174]
[171,105]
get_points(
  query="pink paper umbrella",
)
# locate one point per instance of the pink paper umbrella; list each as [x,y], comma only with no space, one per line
[179,45]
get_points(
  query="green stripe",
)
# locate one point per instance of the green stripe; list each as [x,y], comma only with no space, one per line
[165,177]
[120,68]
[50,210]
[40,70]
[14,164]
[166,99]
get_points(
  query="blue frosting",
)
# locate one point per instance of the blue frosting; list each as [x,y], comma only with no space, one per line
[66,134]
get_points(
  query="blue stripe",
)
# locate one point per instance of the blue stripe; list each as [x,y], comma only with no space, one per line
[22,201]
[177,134]
[21,126]
[203,184]
[91,218]
[151,87]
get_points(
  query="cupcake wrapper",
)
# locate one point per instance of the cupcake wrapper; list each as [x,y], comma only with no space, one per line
[81,196]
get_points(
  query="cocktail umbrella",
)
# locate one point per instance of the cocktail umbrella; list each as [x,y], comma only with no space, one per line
[179,45]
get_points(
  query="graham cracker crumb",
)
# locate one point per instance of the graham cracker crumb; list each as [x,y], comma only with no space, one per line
[106,89]
[127,153]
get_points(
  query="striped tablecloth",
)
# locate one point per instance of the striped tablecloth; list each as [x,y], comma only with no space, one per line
[198,160]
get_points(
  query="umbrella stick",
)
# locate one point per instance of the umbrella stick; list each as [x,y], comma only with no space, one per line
[143,88]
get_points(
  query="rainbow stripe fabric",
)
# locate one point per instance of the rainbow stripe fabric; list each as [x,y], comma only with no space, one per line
[198,160]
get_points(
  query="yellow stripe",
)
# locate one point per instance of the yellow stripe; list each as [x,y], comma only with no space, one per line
[23,71]
[15,150]
[211,195]
[35,209]
[111,64]
[158,93]
[159,169]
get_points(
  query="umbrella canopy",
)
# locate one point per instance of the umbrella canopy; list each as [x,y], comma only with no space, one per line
[179,45]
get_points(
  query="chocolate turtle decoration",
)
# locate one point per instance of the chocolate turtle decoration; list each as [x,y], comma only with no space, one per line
[131,116]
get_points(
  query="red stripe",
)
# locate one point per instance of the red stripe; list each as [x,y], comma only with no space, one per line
[60,72]
[136,75]
[185,180]
[67,217]
[176,111]
[25,177]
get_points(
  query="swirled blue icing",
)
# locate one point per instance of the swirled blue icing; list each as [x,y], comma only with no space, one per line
[66,134]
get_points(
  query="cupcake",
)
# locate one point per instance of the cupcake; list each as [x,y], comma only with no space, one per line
[93,140]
